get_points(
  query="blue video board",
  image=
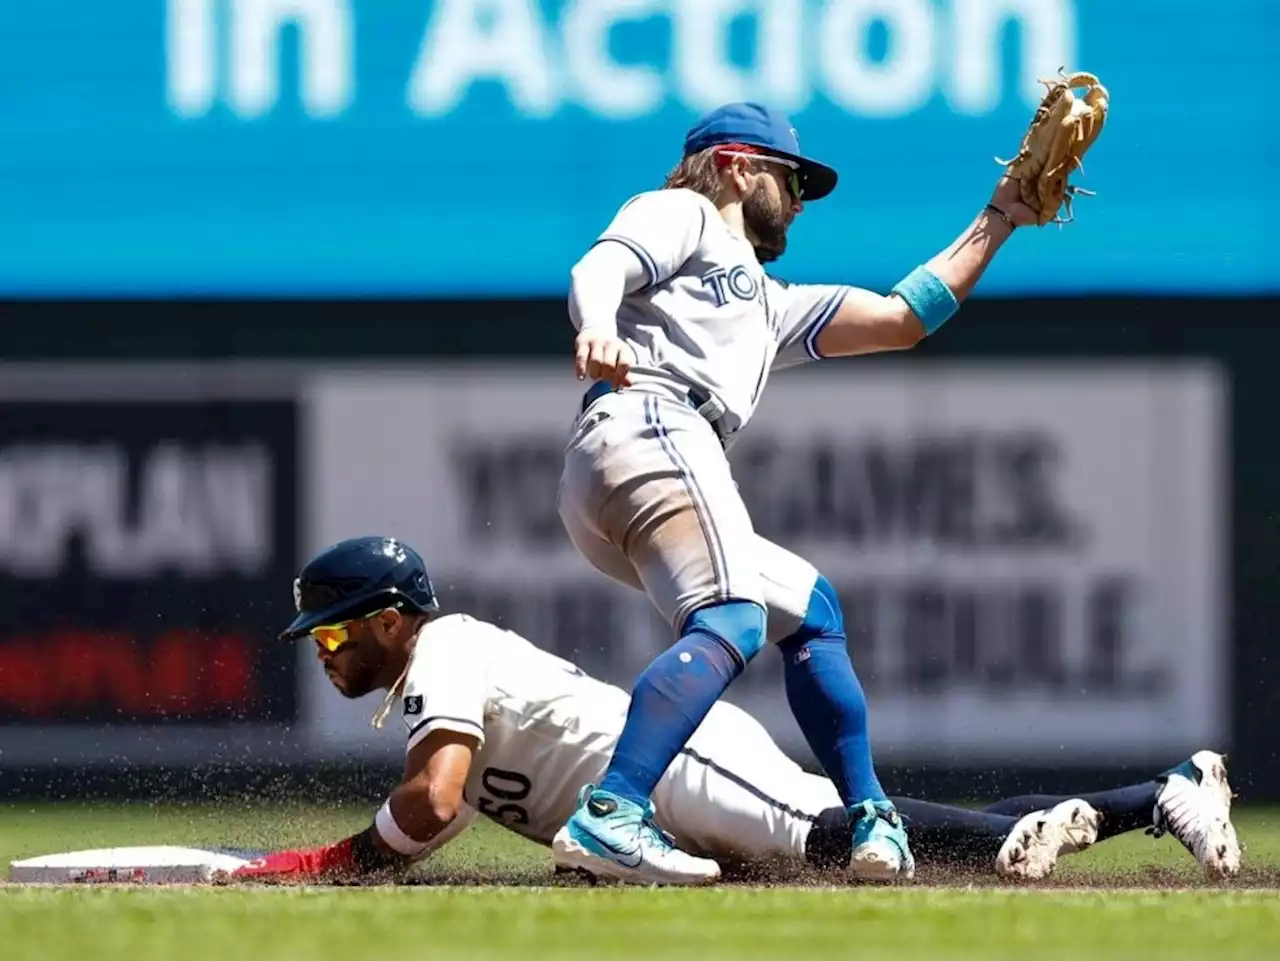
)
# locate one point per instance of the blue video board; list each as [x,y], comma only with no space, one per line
[475,147]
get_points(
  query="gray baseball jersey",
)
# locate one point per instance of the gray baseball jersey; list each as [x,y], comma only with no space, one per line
[708,316]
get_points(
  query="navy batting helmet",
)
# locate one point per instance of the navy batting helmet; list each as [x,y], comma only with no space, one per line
[357,577]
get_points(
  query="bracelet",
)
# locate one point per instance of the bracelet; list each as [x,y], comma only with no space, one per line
[1003,216]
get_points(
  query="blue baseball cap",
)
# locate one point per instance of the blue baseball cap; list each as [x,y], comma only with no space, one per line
[758,126]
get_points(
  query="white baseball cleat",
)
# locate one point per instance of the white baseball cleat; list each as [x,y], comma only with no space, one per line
[614,838]
[1194,805]
[1032,848]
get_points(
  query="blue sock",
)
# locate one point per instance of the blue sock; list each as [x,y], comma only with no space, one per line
[827,700]
[676,691]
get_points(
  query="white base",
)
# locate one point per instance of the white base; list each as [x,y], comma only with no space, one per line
[147,864]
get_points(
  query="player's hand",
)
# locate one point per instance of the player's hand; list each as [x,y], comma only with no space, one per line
[1008,197]
[278,866]
[602,356]
[331,861]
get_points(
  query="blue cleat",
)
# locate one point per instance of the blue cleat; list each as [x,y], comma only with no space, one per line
[611,837]
[880,851]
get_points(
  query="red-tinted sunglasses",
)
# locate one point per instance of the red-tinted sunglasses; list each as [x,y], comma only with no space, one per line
[750,153]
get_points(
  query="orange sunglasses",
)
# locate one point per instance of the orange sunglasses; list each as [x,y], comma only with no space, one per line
[331,637]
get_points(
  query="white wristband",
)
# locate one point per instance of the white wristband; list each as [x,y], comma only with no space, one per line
[395,838]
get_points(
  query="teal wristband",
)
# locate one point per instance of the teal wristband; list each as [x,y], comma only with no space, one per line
[928,297]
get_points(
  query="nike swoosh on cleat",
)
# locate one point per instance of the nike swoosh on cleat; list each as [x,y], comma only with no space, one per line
[601,808]
[630,858]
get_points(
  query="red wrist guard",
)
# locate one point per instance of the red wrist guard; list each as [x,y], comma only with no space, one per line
[332,859]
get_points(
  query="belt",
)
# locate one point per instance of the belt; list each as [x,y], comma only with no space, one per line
[710,410]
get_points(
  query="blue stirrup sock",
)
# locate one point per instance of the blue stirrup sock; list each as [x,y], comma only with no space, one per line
[675,692]
[827,700]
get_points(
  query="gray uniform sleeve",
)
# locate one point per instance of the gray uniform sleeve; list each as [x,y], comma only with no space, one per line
[800,312]
[661,227]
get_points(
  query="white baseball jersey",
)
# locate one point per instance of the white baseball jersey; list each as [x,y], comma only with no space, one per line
[546,729]
[708,316]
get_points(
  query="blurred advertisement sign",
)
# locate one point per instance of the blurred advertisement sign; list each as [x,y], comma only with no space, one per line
[325,147]
[1031,558]
[143,544]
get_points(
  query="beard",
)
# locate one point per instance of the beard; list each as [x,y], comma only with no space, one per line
[767,222]
[359,676]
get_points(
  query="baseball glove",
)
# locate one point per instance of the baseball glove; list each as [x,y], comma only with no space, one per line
[1063,129]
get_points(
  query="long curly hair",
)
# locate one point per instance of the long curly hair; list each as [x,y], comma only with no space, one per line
[698,172]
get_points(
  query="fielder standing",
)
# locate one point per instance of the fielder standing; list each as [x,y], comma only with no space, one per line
[679,328]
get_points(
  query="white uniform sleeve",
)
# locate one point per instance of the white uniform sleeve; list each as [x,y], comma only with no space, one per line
[446,688]
[662,227]
[801,311]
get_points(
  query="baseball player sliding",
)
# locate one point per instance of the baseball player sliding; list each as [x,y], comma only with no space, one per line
[679,328]
[498,727]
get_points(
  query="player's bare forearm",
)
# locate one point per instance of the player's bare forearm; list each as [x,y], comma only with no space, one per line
[868,322]
[428,802]
[418,812]
[967,258]
[430,797]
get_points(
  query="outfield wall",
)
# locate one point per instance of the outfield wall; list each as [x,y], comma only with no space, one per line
[1029,557]
[1035,551]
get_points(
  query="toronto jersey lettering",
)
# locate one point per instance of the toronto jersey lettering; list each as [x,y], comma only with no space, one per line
[707,316]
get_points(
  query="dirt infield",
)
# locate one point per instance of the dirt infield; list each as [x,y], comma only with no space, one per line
[1150,878]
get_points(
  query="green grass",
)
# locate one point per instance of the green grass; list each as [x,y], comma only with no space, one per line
[525,924]
[729,923]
